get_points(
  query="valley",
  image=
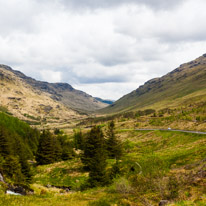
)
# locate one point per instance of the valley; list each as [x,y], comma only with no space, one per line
[65,147]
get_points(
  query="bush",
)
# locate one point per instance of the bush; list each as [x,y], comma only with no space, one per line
[122,186]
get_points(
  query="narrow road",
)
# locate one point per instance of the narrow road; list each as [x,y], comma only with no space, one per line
[172,130]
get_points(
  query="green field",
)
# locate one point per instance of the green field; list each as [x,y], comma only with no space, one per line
[156,165]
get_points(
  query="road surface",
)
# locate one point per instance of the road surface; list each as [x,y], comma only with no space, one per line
[172,130]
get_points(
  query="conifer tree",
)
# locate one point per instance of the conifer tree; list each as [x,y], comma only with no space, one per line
[94,157]
[18,143]
[114,147]
[66,146]
[45,154]
[49,149]
[12,168]
[5,144]
[25,167]
[57,149]
[78,139]
[67,151]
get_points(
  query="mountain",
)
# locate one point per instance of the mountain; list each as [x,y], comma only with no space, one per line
[106,101]
[185,84]
[29,99]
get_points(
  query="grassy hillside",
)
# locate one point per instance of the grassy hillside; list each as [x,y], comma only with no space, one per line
[183,85]
[156,165]
[30,104]
[191,116]
[21,131]
[62,93]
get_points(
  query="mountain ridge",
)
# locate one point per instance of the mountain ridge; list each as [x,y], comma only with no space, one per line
[62,92]
[160,92]
[43,103]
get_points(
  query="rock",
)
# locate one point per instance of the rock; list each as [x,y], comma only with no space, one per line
[20,190]
[48,186]
[1,178]
[17,189]
[14,98]
[48,108]
[163,202]
[12,193]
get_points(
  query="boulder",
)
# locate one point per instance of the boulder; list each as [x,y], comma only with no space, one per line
[163,202]
[17,189]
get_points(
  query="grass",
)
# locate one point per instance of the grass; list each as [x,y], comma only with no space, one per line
[170,146]
[189,82]
[163,157]
[67,174]
[45,200]
[156,165]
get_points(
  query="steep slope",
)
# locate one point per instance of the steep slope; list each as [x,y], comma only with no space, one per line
[61,92]
[18,144]
[29,103]
[184,84]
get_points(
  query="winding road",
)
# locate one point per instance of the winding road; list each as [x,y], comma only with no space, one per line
[172,130]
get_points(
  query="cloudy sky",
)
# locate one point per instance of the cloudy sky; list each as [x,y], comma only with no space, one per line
[106,48]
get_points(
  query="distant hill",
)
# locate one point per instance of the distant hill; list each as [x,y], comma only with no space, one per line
[106,101]
[29,99]
[183,85]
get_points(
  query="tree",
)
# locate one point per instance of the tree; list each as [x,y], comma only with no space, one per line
[78,139]
[57,149]
[67,151]
[25,167]
[114,147]
[5,144]
[49,149]
[94,157]
[18,144]
[12,168]
[66,146]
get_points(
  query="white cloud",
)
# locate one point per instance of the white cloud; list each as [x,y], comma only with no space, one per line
[51,76]
[108,48]
[91,4]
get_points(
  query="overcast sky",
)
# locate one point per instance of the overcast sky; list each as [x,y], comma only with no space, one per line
[106,48]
